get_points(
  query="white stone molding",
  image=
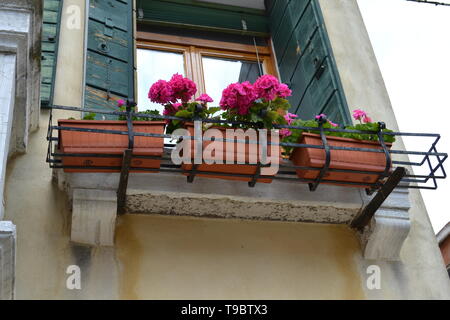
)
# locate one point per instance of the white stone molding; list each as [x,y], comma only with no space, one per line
[7,259]
[383,238]
[7,94]
[94,217]
[20,34]
[20,47]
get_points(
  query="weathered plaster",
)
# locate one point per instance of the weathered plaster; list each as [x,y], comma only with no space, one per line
[7,259]
[69,74]
[93,217]
[20,47]
[364,87]
[165,257]
[170,194]
[7,93]
[383,238]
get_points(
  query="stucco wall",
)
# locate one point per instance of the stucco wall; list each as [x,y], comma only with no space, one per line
[177,257]
[365,88]
[445,249]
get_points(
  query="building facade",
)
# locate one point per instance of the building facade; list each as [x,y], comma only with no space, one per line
[212,239]
[443,238]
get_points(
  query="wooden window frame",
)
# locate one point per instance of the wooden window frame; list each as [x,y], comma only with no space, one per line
[193,49]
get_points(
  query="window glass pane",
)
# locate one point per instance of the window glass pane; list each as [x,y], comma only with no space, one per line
[153,65]
[219,73]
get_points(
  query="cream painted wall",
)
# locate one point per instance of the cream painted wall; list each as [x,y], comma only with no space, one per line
[158,257]
[70,70]
[176,257]
[161,257]
[364,88]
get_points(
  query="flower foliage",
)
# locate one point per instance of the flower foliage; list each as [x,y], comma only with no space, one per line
[122,106]
[261,104]
[161,92]
[182,88]
[238,97]
[366,124]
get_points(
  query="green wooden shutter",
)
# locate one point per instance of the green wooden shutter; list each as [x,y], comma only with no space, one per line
[305,59]
[50,35]
[110,55]
[193,14]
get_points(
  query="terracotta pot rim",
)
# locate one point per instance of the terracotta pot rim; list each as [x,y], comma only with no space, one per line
[316,135]
[190,124]
[95,122]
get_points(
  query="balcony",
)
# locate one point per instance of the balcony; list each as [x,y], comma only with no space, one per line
[374,206]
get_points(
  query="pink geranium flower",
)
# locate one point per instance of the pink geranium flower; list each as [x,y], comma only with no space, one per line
[359,114]
[284,91]
[183,88]
[321,116]
[267,87]
[289,117]
[161,92]
[367,119]
[238,96]
[204,98]
[285,133]
[120,103]
[332,123]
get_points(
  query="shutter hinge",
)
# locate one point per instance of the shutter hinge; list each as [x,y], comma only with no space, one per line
[140,13]
[109,25]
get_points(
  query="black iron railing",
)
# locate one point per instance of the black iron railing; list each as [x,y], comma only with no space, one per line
[393,176]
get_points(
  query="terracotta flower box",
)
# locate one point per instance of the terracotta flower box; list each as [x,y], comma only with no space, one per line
[340,159]
[228,168]
[103,143]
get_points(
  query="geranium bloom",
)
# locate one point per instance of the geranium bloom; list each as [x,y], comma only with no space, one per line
[289,117]
[321,116]
[359,114]
[204,98]
[367,119]
[285,133]
[283,91]
[120,103]
[161,92]
[267,87]
[332,123]
[238,96]
[183,88]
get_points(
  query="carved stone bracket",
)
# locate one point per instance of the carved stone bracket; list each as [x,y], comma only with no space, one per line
[94,217]
[383,238]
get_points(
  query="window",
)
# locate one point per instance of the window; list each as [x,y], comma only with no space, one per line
[212,37]
[211,64]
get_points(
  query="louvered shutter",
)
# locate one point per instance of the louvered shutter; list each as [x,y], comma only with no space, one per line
[305,59]
[50,35]
[110,55]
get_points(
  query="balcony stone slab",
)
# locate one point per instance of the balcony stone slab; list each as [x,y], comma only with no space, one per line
[170,194]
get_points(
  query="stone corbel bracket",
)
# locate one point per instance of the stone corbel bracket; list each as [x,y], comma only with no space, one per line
[7,259]
[383,238]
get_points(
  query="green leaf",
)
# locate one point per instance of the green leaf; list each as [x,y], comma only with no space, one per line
[184,114]
[213,110]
